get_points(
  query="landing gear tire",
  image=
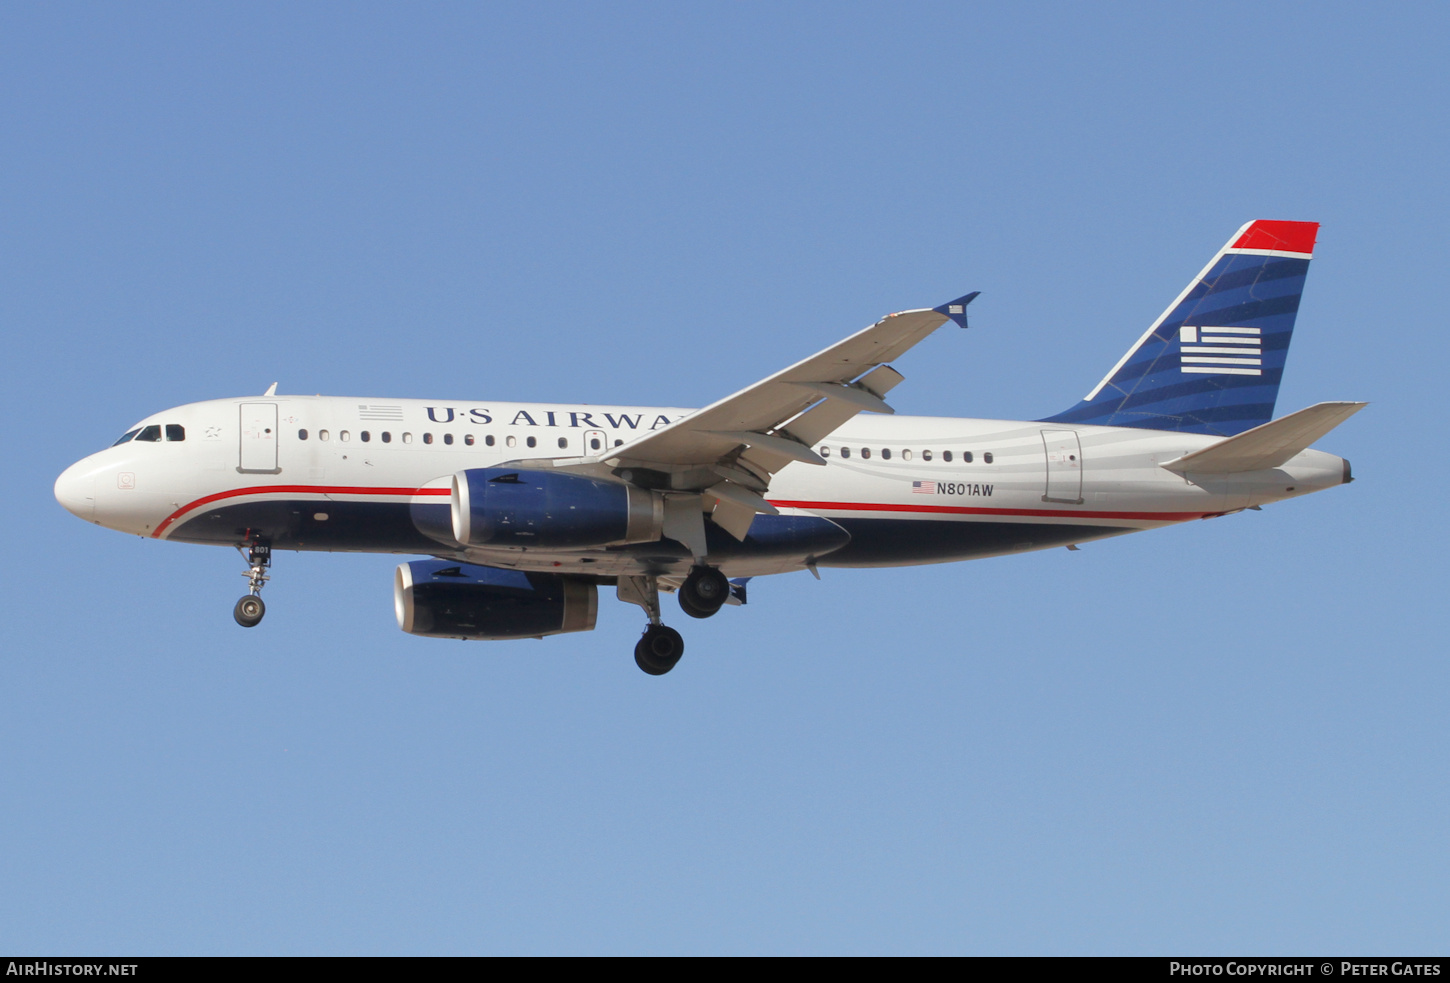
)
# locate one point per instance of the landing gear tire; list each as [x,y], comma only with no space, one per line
[688,606]
[704,592]
[658,649]
[249,611]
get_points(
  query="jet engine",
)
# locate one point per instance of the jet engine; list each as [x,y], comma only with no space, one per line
[459,600]
[551,510]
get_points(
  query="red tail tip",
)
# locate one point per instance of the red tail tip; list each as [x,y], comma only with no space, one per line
[1289,237]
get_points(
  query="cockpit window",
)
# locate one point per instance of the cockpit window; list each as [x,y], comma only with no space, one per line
[152,432]
[175,431]
[126,436]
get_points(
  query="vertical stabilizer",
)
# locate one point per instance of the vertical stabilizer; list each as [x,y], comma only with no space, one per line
[1213,360]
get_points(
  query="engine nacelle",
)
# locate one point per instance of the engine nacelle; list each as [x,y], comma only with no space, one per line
[551,510]
[459,600]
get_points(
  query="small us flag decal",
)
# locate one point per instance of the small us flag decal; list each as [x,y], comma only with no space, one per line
[923,487]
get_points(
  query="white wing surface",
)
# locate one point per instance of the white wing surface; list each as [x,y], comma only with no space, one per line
[730,449]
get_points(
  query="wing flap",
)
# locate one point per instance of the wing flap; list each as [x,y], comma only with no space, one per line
[734,518]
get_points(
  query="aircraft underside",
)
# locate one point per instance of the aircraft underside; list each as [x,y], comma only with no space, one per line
[776,544]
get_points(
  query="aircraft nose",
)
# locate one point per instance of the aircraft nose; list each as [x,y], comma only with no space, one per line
[76,490]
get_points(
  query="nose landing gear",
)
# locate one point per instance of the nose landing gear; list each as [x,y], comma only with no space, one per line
[250,609]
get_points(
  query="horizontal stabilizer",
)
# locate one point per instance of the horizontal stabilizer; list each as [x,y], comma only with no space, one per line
[1269,445]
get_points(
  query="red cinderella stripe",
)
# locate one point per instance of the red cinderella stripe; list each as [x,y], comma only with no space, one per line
[295,490]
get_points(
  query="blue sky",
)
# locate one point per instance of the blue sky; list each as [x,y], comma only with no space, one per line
[1228,736]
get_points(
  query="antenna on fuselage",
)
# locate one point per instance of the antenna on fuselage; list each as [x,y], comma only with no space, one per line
[271,390]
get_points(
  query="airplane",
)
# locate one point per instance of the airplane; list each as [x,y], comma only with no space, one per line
[525,510]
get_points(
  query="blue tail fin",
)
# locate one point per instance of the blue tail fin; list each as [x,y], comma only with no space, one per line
[1212,362]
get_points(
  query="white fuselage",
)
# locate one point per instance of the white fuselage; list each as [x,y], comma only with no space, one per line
[336,473]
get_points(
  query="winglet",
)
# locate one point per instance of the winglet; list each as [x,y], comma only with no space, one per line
[957,309]
[271,390]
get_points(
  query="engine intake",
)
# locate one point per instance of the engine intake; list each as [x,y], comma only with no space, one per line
[459,600]
[551,510]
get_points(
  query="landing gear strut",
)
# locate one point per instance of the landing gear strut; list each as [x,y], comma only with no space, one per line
[249,609]
[704,592]
[660,647]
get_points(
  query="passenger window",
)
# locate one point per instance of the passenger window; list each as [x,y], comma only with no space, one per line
[344,436]
[845,452]
[427,438]
[365,436]
[987,457]
[387,436]
[510,440]
[152,432]
[825,451]
[906,455]
[129,434]
[886,453]
[594,443]
[407,438]
[946,456]
[531,442]
[323,435]
[926,455]
[302,435]
[967,456]
[448,438]
[866,453]
[175,431]
[618,443]
[468,439]
[488,440]
[563,442]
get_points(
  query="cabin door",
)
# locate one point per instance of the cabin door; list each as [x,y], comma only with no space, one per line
[1064,466]
[258,439]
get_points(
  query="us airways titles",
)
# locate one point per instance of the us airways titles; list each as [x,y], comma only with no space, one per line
[579,419]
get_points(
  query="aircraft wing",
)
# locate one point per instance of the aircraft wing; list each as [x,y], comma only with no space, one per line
[730,449]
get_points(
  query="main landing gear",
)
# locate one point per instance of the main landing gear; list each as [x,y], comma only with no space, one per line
[660,647]
[249,609]
[704,592]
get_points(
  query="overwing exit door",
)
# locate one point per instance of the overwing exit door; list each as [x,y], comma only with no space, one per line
[258,439]
[594,441]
